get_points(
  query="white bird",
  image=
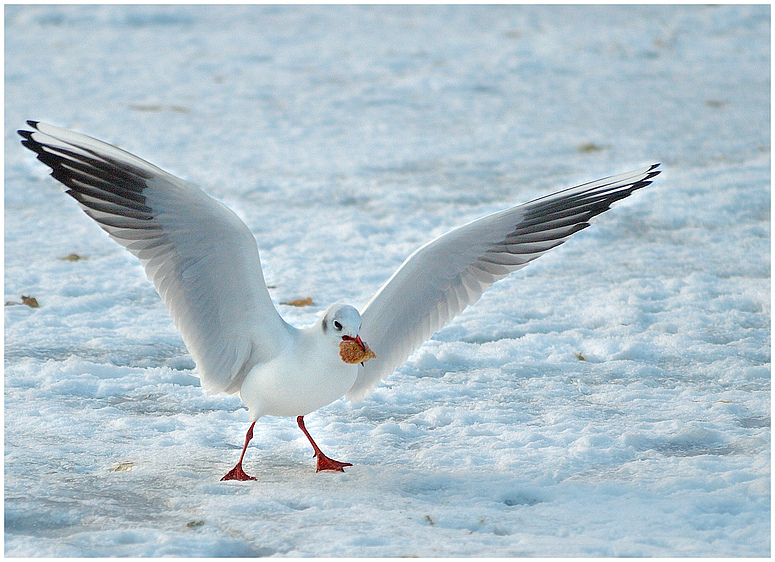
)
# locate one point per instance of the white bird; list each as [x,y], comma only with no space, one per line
[203,261]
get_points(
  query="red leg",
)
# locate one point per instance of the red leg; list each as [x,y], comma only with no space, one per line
[324,463]
[237,473]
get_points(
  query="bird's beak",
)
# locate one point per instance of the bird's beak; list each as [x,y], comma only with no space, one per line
[357,339]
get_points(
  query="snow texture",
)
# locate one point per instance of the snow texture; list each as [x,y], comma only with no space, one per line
[611,399]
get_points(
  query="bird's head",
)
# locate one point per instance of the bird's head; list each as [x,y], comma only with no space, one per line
[341,323]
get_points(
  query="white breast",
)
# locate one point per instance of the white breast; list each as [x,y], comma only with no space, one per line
[308,375]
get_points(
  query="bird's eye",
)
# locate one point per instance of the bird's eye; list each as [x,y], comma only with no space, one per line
[337,325]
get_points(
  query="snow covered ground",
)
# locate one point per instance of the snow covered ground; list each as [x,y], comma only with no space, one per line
[611,399]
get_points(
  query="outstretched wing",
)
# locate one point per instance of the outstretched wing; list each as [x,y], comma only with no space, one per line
[443,277]
[200,256]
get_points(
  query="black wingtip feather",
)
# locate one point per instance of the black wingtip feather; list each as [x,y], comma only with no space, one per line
[25,133]
[652,171]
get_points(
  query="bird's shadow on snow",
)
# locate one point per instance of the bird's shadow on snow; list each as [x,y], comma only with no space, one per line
[379,484]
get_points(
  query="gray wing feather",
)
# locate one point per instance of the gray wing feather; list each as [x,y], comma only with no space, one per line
[448,274]
[202,259]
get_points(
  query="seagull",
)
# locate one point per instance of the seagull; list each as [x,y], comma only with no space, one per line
[204,262]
